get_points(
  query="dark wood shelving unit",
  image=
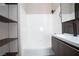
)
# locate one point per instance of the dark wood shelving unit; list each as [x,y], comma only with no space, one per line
[6,40]
[6,20]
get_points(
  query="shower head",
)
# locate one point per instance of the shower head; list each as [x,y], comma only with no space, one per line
[52,11]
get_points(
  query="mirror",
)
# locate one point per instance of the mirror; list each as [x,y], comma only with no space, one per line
[67,11]
[68,17]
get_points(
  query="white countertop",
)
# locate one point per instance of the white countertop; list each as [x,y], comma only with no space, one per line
[69,38]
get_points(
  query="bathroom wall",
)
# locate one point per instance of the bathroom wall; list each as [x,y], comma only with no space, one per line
[37,26]
[57,22]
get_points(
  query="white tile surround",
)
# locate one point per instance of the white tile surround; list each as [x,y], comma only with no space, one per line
[36,27]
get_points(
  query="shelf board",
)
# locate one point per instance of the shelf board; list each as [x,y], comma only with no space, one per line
[10,54]
[6,40]
[6,20]
[11,3]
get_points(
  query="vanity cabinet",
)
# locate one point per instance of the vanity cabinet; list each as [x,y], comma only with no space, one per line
[62,48]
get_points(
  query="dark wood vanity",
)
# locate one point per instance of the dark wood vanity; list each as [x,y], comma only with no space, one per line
[62,48]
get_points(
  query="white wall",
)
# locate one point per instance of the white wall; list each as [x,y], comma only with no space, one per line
[36,28]
[35,31]
[39,8]
[57,22]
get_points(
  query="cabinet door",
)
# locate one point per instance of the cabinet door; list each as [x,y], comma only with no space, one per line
[62,49]
[55,46]
[67,50]
[13,12]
